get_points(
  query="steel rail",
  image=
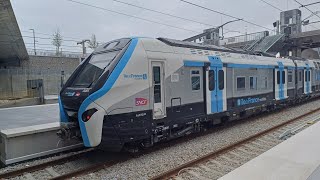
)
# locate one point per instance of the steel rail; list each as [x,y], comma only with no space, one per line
[87,170]
[173,172]
[37,167]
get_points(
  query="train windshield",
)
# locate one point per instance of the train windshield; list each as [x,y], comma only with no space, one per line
[94,68]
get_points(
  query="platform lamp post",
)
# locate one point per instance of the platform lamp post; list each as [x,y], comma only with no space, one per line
[34,42]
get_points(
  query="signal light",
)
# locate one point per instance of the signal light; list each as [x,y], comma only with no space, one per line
[88,114]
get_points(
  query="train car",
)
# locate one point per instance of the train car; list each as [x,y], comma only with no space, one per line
[135,92]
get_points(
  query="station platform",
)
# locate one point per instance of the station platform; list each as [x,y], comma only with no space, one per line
[17,117]
[297,158]
[30,132]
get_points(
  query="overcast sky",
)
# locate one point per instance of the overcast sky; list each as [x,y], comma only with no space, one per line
[77,21]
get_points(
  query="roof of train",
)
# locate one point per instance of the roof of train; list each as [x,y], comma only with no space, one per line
[187,44]
[199,53]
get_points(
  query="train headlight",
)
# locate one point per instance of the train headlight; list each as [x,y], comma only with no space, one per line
[87,114]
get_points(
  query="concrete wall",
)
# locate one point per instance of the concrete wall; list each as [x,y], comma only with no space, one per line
[13,81]
[310,54]
[50,63]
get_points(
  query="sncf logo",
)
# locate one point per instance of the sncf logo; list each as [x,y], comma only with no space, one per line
[141,101]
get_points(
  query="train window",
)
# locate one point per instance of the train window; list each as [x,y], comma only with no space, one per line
[253,82]
[300,75]
[264,83]
[93,68]
[157,84]
[305,76]
[289,76]
[241,83]
[283,77]
[195,80]
[278,77]
[221,79]
[211,80]
[111,45]
[309,76]
[195,72]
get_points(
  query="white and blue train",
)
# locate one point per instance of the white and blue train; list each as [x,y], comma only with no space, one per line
[135,92]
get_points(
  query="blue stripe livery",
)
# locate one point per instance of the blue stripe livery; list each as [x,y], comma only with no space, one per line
[62,112]
[307,81]
[106,87]
[188,63]
[281,85]
[216,94]
[250,66]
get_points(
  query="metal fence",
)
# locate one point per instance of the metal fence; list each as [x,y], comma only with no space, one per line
[22,83]
[245,38]
[44,52]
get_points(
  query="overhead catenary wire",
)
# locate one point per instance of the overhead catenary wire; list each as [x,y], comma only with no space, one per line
[309,11]
[128,15]
[310,4]
[222,13]
[167,14]
[275,7]
[307,8]
[171,15]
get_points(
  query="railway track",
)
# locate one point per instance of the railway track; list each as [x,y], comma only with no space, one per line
[71,166]
[218,163]
[45,167]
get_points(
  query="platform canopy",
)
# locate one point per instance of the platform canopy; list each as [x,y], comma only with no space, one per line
[12,47]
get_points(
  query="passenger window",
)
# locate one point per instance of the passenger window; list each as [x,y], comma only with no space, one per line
[305,76]
[241,83]
[283,77]
[300,76]
[289,76]
[221,79]
[264,83]
[309,76]
[195,72]
[195,80]
[253,82]
[157,84]
[278,77]
[211,80]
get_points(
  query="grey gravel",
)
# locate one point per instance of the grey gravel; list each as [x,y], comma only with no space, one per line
[157,162]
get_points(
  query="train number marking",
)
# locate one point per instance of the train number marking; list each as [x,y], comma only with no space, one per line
[141,114]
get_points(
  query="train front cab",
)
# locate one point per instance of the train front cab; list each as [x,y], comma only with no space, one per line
[92,79]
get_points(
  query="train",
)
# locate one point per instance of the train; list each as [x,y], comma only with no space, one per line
[132,93]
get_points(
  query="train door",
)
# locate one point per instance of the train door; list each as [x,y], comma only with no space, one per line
[158,77]
[215,87]
[307,80]
[280,83]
